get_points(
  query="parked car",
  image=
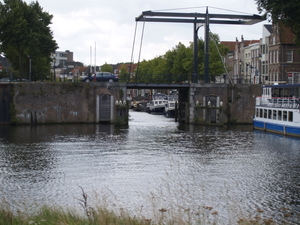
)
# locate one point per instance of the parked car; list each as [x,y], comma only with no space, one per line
[101,76]
[7,79]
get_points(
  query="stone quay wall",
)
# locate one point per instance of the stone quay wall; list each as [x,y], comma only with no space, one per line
[72,102]
[228,104]
[42,103]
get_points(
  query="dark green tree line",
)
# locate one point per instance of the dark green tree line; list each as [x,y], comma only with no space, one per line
[176,65]
[25,34]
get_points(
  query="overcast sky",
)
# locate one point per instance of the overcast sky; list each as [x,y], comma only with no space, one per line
[108,26]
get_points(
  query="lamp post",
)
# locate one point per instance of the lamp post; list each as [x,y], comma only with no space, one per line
[257,74]
[54,75]
[241,71]
[248,82]
[29,67]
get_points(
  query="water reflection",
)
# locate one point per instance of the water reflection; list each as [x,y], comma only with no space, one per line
[153,162]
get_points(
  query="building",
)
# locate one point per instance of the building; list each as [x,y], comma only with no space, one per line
[60,57]
[229,60]
[264,54]
[4,64]
[240,60]
[272,59]
[284,57]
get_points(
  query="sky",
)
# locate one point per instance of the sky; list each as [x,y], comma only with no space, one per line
[103,31]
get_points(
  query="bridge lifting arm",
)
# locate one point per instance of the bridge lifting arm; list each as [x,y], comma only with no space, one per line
[150,16]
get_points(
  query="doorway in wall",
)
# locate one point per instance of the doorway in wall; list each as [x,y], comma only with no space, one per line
[105,103]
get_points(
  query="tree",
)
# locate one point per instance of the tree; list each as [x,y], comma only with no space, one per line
[183,61]
[124,74]
[176,65]
[106,68]
[25,35]
[287,12]
[216,66]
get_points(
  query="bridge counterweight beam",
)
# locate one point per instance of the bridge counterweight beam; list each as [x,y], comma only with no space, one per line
[206,54]
[195,62]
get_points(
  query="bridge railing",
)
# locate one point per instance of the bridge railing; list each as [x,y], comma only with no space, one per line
[163,78]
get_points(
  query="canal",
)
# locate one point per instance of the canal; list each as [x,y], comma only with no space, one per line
[153,164]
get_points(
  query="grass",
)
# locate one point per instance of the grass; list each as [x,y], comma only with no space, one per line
[100,215]
[58,216]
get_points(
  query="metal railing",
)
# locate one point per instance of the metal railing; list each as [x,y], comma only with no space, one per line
[279,102]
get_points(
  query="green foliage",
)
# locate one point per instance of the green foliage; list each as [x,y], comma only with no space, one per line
[106,68]
[176,65]
[25,32]
[288,12]
[216,66]
[123,74]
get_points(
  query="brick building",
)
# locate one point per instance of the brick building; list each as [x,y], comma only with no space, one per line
[272,59]
[284,57]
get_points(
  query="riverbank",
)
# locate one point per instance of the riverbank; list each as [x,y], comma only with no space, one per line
[102,216]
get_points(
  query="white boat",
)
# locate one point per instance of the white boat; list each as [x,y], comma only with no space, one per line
[278,110]
[170,106]
[157,104]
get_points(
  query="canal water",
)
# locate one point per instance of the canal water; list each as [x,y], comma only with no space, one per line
[216,173]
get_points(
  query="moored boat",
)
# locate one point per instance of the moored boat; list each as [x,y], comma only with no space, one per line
[170,106]
[278,110]
[157,104]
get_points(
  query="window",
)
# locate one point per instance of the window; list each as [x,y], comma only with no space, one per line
[263,67]
[289,55]
[260,113]
[274,114]
[271,56]
[265,113]
[279,115]
[263,49]
[269,114]
[290,116]
[296,79]
[284,115]
[293,78]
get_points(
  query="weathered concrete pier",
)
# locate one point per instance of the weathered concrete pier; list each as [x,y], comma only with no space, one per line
[71,102]
[222,103]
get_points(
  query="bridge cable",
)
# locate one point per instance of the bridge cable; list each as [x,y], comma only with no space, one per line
[222,60]
[133,44]
[199,7]
[140,50]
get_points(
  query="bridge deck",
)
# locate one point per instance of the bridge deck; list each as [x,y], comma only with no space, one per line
[157,85]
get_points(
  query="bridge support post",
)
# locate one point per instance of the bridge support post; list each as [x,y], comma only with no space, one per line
[195,62]
[206,54]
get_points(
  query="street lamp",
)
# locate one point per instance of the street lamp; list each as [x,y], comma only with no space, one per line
[29,67]
[241,70]
[247,65]
[54,68]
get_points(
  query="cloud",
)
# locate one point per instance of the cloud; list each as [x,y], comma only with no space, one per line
[109,27]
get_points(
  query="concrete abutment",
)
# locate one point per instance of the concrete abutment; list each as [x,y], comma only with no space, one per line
[42,103]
